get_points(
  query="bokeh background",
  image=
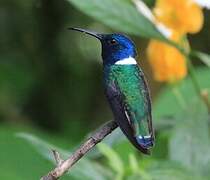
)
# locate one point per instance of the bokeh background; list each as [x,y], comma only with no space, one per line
[51,93]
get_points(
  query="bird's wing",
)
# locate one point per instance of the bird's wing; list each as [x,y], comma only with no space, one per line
[133,118]
[141,118]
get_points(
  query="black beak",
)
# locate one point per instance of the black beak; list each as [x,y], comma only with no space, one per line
[97,35]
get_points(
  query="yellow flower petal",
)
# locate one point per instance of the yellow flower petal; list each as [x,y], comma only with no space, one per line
[181,15]
[168,64]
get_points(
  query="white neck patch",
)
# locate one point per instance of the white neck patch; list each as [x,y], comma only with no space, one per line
[126,61]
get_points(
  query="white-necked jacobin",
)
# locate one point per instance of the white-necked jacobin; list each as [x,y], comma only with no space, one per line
[126,88]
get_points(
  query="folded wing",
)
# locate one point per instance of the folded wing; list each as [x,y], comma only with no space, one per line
[132,109]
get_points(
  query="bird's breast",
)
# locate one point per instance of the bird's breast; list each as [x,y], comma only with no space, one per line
[130,83]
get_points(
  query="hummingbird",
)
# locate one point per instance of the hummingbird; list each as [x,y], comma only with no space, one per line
[126,88]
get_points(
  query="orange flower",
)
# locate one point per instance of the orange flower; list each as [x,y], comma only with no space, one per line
[167,63]
[184,16]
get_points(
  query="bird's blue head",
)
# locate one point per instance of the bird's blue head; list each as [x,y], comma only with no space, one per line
[115,47]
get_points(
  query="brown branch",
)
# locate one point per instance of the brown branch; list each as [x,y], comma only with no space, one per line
[64,165]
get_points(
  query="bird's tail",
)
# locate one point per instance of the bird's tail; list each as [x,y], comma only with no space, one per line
[145,141]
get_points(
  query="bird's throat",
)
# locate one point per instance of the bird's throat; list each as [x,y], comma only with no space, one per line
[126,61]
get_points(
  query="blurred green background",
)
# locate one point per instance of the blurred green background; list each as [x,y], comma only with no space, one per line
[51,93]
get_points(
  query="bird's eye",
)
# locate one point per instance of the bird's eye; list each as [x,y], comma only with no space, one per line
[112,42]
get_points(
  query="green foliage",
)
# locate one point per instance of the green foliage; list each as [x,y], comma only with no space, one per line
[120,15]
[17,81]
[85,168]
[18,160]
[114,159]
[169,170]
[164,112]
[147,170]
[189,142]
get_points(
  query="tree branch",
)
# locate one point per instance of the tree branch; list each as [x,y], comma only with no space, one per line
[64,165]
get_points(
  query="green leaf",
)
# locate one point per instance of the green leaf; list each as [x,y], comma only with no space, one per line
[120,15]
[114,159]
[167,106]
[173,174]
[136,170]
[189,143]
[84,169]
[133,163]
[165,170]
[205,58]
[19,160]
